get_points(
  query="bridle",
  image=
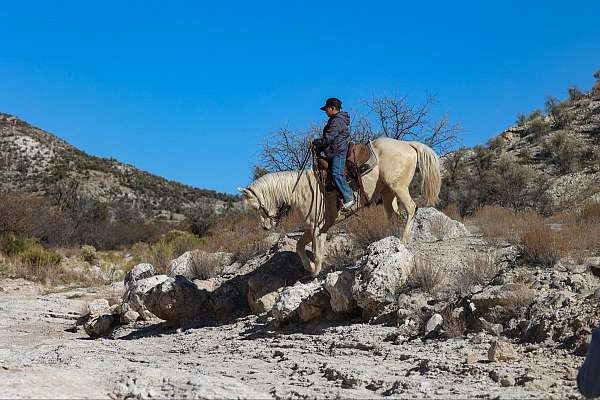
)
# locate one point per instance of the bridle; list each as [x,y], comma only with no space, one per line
[264,210]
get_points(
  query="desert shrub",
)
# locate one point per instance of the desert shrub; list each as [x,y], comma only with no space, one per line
[239,234]
[11,244]
[40,264]
[454,325]
[502,223]
[565,151]
[521,119]
[425,276]
[591,213]
[453,211]
[160,255]
[540,244]
[339,256]
[88,253]
[558,112]
[205,266]
[539,127]
[480,268]
[181,241]
[574,93]
[370,225]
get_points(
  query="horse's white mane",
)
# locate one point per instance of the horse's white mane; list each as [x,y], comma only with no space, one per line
[275,189]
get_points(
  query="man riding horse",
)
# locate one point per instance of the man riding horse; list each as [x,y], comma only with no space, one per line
[333,145]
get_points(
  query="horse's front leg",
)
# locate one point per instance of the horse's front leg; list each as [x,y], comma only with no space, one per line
[305,239]
[318,249]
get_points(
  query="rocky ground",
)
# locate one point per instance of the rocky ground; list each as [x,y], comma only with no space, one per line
[312,338]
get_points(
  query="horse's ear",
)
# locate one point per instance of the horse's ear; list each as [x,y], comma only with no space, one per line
[245,192]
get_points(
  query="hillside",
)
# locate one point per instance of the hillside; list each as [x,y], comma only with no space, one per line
[36,162]
[548,161]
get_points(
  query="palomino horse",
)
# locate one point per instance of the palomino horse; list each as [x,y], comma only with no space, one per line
[389,180]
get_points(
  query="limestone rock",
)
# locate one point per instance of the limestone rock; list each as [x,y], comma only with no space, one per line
[288,303]
[98,307]
[175,300]
[339,286]
[133,298]
[140,271]
[129,317]
[434,322]
[382,272]
[502,351]
[431,225]
[99,325]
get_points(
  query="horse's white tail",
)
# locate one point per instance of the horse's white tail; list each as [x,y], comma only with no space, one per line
[429,165]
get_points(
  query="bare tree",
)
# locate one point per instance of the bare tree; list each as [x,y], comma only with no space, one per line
[285,149]
[396,118]
[392,117]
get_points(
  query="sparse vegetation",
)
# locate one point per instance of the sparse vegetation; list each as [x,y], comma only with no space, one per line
[205,266]
[480,268]
[370,225]
[425,276]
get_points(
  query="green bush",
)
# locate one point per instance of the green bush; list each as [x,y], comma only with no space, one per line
[160,255]
[565,151]
[181,241]
[88,253]
[12,245]
[41,264]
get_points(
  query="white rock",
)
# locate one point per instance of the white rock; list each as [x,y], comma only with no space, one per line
[176,300]
[502,351]
[140,271]
[339,286]
[133,298]
[382,272]
[431,225]
[98,307]
[287,304]
[435,321]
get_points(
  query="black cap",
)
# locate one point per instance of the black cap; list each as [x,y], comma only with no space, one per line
[333,102]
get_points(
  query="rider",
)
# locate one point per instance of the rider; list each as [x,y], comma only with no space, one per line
[334,146]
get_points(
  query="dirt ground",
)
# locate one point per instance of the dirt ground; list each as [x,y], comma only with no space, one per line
[247,359]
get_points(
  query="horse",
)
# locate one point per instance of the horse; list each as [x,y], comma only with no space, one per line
[272,194]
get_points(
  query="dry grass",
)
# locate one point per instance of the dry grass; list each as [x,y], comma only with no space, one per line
[502,223]
[453,212]
[205,266]
[454,327]
[425,276]
[160,255]
[542,245]
[480,269]
[370,225]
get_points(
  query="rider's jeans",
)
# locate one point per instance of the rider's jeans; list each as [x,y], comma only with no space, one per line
[337,172]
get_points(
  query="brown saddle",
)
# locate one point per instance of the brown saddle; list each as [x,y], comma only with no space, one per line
[360,160]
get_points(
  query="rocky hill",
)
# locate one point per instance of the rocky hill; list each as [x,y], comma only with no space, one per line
[547,161]
[33,161]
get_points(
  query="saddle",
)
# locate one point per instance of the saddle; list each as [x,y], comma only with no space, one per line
[360,161]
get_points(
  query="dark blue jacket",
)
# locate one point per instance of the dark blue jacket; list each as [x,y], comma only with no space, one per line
[336,135]
[588,379]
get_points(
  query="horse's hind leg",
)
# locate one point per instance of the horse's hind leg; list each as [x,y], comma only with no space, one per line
[403,196]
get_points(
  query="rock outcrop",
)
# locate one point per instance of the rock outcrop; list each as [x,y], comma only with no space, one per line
[381,273]
[175,300]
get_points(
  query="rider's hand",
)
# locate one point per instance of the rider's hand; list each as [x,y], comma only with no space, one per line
[317,143]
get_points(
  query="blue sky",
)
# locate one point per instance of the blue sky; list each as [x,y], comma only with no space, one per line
[178,88]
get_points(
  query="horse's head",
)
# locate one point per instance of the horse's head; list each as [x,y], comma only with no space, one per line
[268,218]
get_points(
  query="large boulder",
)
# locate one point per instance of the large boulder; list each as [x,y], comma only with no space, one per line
[382,273]
[176,300]
[339,286]
[140,271]
[99,325]
[135,294]
[431,225]
[199,264]
[288,303]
